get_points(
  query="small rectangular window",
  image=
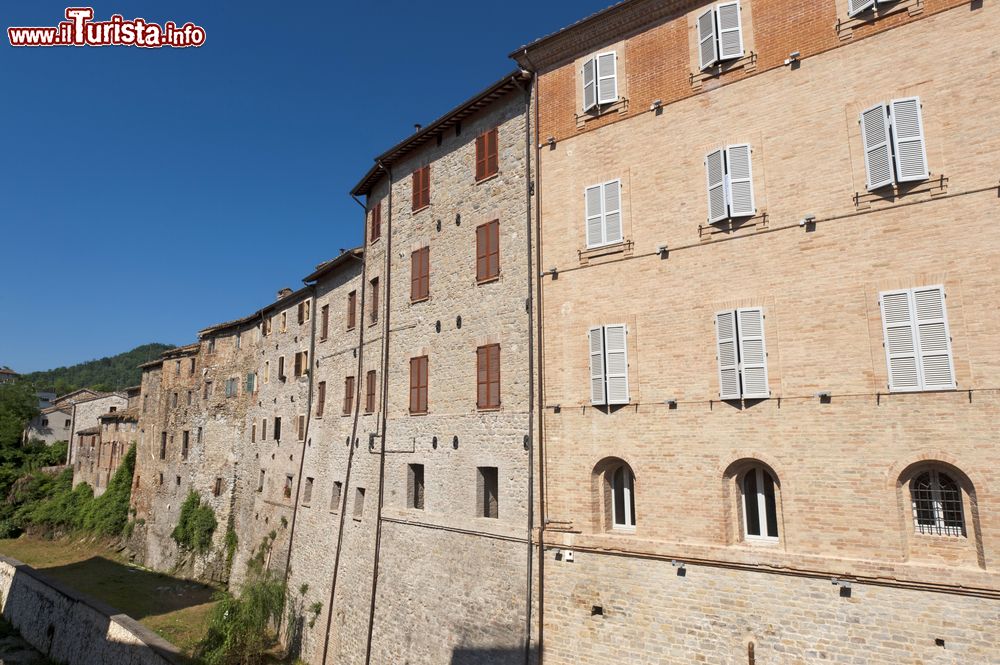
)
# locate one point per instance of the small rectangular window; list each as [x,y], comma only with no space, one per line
[301,428]
[177,368]
[420,271]
[370,392]
[281,368]
[373,312]
[173,401]
[185,441]
[191,368]
[338,488]
[263,429]
[415,486]
[488,376]
[359,502]
[352,309]
[418,385]
[267,371]
[287,490]
[324,323]
[163,445]
[199,435]
[260,481]
[348,395]
[488,251]
[284,321]
[307,491]
[190,397]
[253,433]
[376,227]
[487,163]
[487,484]
[421,188]
[320,398]
[207,390]
[301,363]
[217,489]
[277,429]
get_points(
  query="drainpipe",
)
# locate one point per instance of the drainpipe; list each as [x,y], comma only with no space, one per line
[352,442]
[384,409]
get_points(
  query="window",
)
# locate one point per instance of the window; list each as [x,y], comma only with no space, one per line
[190,397]
[177,368]
[232,388]
[418,385]
[191,368]
[303,311]
[741,354]
[217,489]
[760,508]
[300,427]
[185,441]
[420,274]
[338,488]
[622,498]
[370,391]
[855,7]
[260,481]
[729,180]
[281,368]
[487,163]
[373,313]
[287,490]
[253,433]
[609,365]
[207,390]
[376,227]
[177,480]
[198,439]
[267,371]
[487,484]
[277,429]
[239,340]
[937,504]
[307,491]
[421,188]
[893,136]
[488,376]
[301,363]
[352,312]
[265,326]
[163,445]
[604,214]
[251,383]
[45,423]
[348,395]
[284,321]
[600,80]
[320,398]
[415,486]
[917,340]
[173,400]
[720,35]
[67,424]
[263,429]
[159,480]
[359,502]
[488,251]
[324,322]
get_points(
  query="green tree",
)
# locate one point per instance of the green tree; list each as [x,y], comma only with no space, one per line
[18,405]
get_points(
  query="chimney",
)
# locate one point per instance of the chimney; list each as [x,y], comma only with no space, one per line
[284,292]
[417,127]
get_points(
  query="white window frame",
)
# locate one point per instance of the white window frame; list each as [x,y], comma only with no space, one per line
[628,497]
[761,500]
[605,241]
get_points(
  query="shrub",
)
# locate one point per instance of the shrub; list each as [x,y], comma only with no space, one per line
[107,515]
[196,525]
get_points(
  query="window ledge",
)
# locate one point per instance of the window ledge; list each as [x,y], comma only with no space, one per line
[489,409]
[419,300]
[624,247]
[492,176]
[374,240]
[935,185]
[488,280]
[728,226]
[420,209]
[620,107]
[756,541]
[623,530]
[845,27]
[418,413]
[747,63]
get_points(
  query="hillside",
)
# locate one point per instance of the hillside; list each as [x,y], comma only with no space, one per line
[113,373]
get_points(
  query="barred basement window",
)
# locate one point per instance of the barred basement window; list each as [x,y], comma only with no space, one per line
[760,507]
[937,504]
[489,491]
[415,486]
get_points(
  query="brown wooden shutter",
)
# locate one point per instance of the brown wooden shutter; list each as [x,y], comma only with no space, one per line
[348,395]
[370,392]
[352,311]
[373,314]
[421,187]
[301,425]
[376,230]
[488,376]
[481,151]
[320,398]
[488,251]
[492,161]
[418,385]
[416,190]
[325,322]
[420,268]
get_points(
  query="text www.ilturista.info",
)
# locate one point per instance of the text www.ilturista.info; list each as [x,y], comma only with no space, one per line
[81,30]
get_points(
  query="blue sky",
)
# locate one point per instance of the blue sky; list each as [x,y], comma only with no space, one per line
[145,194]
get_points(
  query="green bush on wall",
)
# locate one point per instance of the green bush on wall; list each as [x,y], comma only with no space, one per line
[196,525]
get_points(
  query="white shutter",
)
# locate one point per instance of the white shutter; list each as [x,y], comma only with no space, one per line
[875,136]
[715,174]
[708,52]
[855,7]
[908,139]
[607,78]
[730,30]
[589,84]
[739,181]
[725,341]
[934,342]
[753,353]
[595,215]
[900,343]
[616,363]
[596,341]
[613,211]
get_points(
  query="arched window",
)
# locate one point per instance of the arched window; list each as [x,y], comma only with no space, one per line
[760,508]
[623,498]
[937,504]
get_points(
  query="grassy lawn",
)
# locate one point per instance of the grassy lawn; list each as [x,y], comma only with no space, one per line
[175,609]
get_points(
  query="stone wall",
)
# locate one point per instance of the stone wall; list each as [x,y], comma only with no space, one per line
[73,629]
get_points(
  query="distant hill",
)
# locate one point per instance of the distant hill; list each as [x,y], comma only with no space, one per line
[114,373]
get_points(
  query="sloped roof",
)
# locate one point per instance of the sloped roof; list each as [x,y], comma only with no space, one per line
[327,267]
